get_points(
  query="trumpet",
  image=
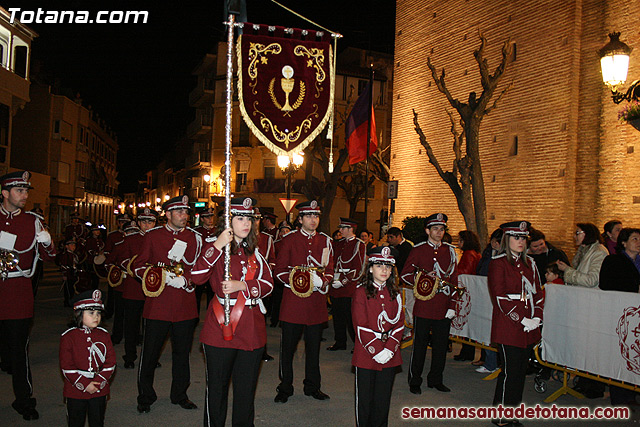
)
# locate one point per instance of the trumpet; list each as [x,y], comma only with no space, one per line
[307,268]
[177,269]
[8,261]
[444,286]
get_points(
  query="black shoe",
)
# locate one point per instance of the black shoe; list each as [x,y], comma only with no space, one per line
[593,394]
[441,387]
[158,365]
[115,341]
[281,397]
[129,365]
[143,408]
[337,347]
[267,357]
[30,414]
[186,404]
[415,389]
[317,395]
[461,357]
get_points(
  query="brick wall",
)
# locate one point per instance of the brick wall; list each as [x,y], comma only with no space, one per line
[572,163]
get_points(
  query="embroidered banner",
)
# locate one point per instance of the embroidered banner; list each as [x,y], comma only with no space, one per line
[285,87]
[473,310]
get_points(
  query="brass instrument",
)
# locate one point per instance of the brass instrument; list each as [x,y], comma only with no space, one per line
[8,261]
[177,269]
[440,285]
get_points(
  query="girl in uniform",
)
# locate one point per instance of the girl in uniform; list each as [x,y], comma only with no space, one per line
[233,351]
[518,300]
[87,360]
[378,320]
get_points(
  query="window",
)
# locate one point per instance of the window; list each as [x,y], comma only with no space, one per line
[65,130]
[514,51]
[513,149]
[244,135]
[241,182]
[269,168]
[63,172]
[20,61]
[361,85]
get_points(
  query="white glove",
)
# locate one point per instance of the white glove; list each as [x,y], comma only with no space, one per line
[178,282]
[530,324]
[337,284]
[316,280]
[43,237]
[384,356]
[451,313]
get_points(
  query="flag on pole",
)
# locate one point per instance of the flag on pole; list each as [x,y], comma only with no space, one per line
[357,129]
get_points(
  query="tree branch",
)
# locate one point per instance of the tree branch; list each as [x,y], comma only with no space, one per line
[441,85]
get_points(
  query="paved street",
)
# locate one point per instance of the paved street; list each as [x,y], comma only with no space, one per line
[338,381]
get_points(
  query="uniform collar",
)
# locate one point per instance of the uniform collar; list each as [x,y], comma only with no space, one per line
[9,214]
[378,285]
[434,245]
[309,235]
[348,239]
[170,229]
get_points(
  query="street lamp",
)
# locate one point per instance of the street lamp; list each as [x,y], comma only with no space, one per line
[289,166]
[614,61]
[166,196]
[206,177]
[158,200]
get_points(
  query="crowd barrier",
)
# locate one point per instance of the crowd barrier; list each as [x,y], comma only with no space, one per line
[587,332]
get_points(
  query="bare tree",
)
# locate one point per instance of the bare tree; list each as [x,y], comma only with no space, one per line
[465,179]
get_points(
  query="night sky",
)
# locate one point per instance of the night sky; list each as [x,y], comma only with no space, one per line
[138,76]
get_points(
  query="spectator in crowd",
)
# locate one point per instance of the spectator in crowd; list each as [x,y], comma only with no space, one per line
[588,259]
[336,235]
[543,252]
[621,272]
[489,252]
[488,361]
[367,237]
[396,240]
[610,235]
[469,244]
[553,275]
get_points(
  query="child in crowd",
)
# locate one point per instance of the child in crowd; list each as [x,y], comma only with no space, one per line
[87,360]
[554,275]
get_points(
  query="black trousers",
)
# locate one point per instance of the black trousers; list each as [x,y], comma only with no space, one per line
[155,333]
[68,290]
[439,343]
[276,301]
[510,382]
[15,336]
[291,333]
[203,289]
[108,307]
[373,396]
[117,331]
[132,316]
[468,351]
[341,311]
[240,366]
[78,409]
[37,277]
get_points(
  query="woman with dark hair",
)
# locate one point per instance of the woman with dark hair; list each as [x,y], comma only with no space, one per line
[518,301]
[234,351]
[469,243]
[378,319]
[610,235]
[588,259]
[620,272]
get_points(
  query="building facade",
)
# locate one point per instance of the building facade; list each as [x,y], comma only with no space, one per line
[61,138]
[553,151]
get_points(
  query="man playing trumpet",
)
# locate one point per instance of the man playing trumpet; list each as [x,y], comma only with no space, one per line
[164,265]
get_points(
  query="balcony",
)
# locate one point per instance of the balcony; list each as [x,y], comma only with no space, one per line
[14,84]
[202,94]
[199,158]
[201,125]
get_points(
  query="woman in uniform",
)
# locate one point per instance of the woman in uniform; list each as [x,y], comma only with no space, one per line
[378,320]
[518,300]
[233,351]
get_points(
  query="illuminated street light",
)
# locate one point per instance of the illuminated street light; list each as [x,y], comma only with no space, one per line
[206,177]
[614,62]
[166,196]
[158,199]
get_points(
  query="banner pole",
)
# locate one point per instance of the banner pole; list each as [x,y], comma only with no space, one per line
[227,159]
[366,170]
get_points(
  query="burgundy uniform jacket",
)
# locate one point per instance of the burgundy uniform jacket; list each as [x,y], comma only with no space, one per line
[250,332]
[173,305]
[205,232]
[86,355]
[299,248]
[16,295]
[508,284]
[94,246]
[379,323]
[114,257]
[77,231]
[113,238]
[442,262]
[267,248]
[349,262]
[131,285]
